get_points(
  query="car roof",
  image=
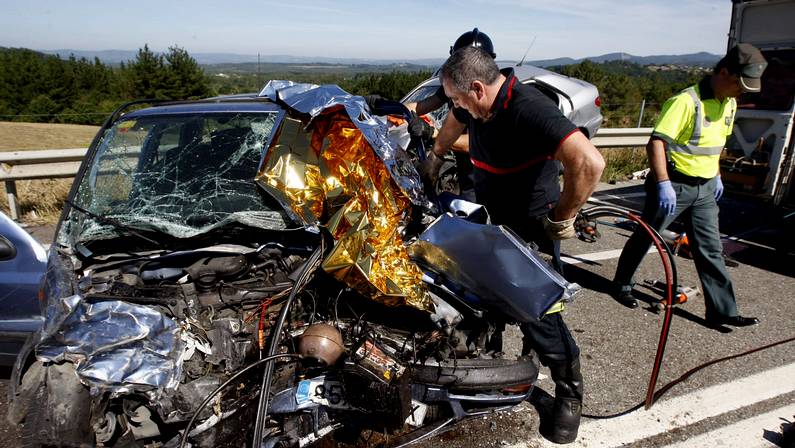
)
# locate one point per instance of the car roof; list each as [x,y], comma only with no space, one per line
[236,104]
[560,82]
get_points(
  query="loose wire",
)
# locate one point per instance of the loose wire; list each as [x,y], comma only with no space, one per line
[223,386]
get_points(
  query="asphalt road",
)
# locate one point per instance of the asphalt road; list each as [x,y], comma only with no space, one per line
[618,344]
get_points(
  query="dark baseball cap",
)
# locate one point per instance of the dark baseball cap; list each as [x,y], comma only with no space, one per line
[746,61]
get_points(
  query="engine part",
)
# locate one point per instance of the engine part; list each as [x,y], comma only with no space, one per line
[206,272]
[140,422]
[321,342]
[104,427]
[377,362]
[445,316]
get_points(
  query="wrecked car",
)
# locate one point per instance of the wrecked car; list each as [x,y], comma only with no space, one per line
[265,270]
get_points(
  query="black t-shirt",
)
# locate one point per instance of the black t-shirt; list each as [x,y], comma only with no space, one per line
[515,174]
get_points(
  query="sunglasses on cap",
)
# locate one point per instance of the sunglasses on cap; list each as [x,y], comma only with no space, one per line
[753,70]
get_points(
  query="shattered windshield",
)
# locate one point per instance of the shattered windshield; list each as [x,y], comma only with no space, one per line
[179,174]
[423,92]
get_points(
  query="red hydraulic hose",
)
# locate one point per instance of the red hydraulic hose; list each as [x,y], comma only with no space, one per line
[670,279]
[669,301]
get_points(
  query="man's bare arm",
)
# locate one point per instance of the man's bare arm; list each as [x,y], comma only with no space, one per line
[582,167]
[427,105]
[461,144]
[655,150]
[448,135]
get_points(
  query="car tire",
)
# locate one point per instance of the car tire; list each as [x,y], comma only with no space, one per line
[56,406]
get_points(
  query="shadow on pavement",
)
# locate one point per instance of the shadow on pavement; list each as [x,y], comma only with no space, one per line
[595,282]
[757,233]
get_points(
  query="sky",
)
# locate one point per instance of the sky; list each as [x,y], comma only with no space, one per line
[370,29]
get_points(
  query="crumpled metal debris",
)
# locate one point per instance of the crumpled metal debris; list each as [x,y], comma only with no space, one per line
[116,346]
[515,280]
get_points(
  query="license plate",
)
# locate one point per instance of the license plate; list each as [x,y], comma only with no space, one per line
[323,392]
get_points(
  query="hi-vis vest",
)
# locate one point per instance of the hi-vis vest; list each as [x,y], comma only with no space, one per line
[695,131]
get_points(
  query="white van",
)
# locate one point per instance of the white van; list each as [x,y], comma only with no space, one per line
[759,156]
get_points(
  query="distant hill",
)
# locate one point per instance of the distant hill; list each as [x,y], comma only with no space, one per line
[114,57]
[285,69]
[701,59]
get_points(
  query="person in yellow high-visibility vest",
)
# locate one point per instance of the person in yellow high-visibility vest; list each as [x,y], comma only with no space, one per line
[684,152]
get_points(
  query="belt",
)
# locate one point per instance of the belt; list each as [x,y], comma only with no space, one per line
[681,178]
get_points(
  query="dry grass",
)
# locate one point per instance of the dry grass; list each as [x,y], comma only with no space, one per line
[621,162]
[41,201]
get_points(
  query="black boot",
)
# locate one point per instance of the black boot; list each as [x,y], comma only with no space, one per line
[566,412]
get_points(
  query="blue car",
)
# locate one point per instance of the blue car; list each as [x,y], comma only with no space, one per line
[23,262]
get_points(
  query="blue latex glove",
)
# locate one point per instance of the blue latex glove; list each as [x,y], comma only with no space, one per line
[667,197]
[718,188]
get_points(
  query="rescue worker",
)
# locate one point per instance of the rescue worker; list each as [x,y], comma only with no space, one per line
[515,135]
[684,152]
[417,127]
[460,145]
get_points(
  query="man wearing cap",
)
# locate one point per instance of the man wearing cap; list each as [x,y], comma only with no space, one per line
[451,135]
[684,150]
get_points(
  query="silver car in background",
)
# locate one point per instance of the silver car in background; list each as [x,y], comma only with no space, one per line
[578,100]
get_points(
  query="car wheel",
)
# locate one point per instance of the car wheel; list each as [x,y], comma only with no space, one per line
[56,407]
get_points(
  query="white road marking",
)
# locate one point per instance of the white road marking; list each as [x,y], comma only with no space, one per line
[747,433]
[595,256]
[619,196]
[682,411]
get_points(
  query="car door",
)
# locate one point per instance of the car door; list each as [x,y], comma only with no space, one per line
[23,262]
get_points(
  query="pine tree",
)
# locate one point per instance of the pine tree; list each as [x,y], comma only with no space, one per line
[183,77]
[145,75]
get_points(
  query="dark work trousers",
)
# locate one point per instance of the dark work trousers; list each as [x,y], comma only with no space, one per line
[549,336]
[699,211]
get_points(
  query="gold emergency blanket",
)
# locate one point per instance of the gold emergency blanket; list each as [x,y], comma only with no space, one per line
[336,180]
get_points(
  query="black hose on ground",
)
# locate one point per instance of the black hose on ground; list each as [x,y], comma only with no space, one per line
[658,394]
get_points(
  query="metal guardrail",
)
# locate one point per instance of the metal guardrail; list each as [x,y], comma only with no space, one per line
[621,137]
[62,163]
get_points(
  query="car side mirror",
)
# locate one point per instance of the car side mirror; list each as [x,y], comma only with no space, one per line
[7,249]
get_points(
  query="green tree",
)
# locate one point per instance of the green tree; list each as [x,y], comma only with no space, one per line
[183,78]
[41,108]
[145,75]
